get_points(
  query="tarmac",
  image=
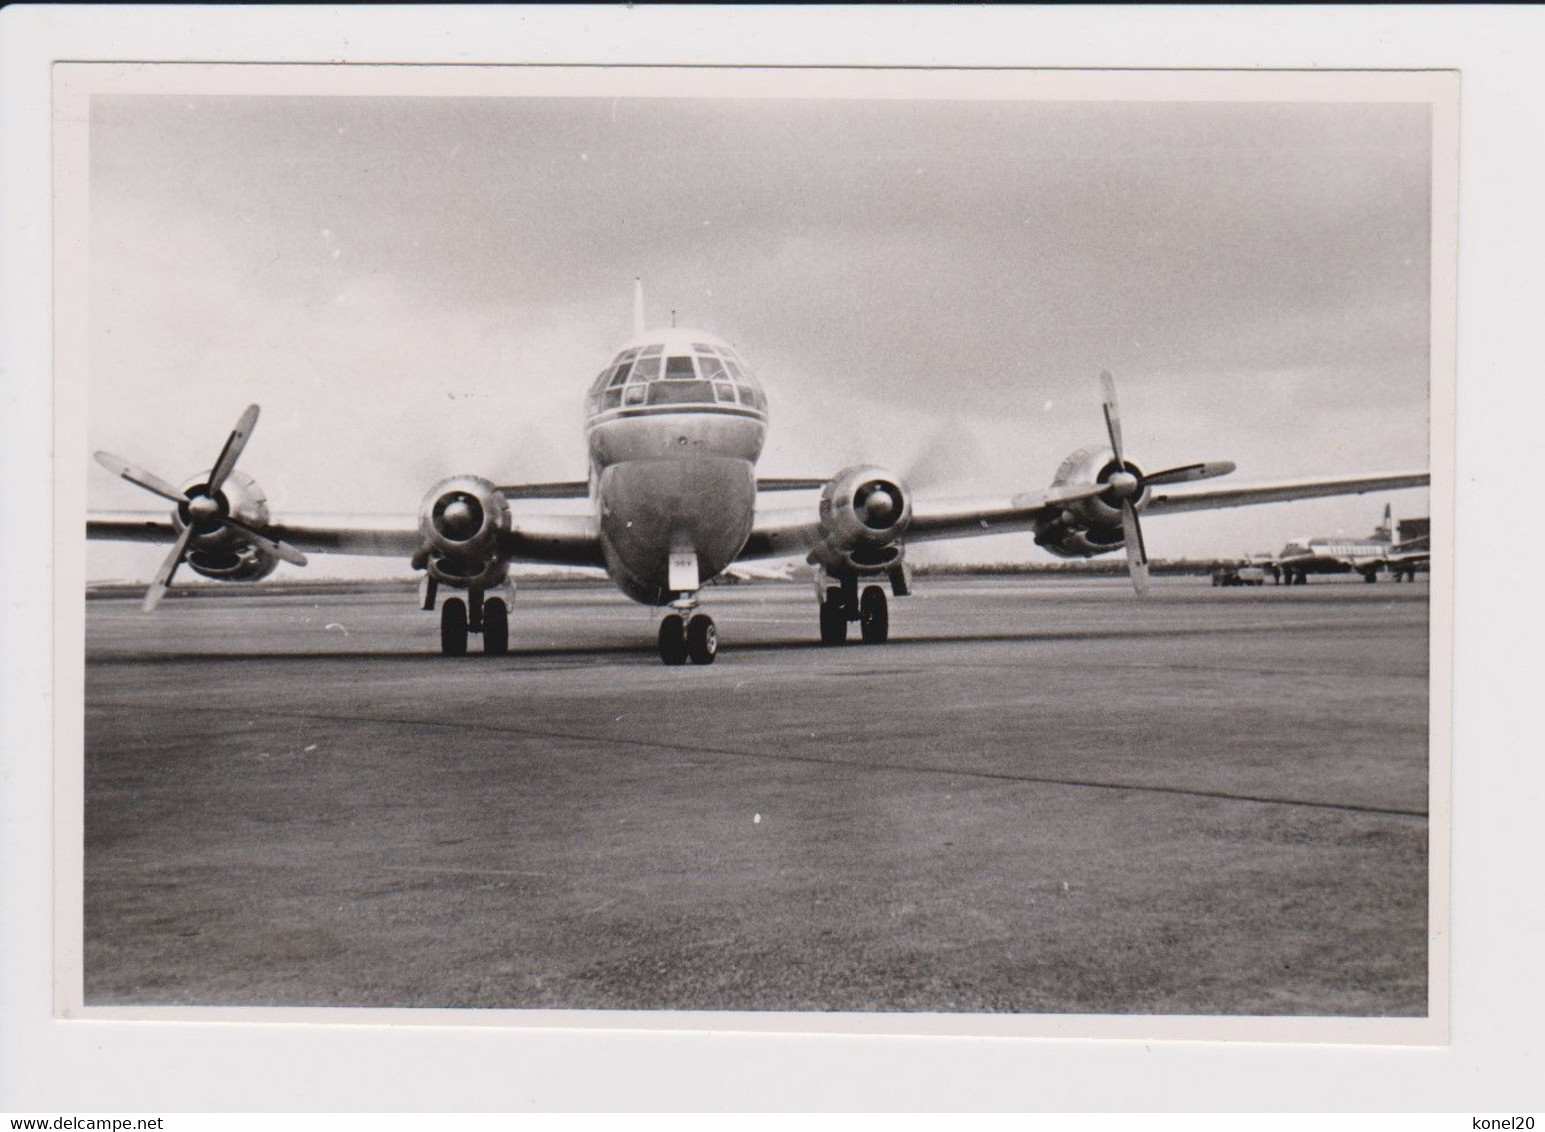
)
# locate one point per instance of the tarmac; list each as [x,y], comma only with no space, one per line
[1040,796]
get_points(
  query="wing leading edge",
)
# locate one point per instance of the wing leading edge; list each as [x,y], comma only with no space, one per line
[783,531]
[1245,495]
[563,540]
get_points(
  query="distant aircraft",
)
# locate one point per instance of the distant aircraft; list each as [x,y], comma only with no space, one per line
[1365,556]
[1405,558]
[675,425]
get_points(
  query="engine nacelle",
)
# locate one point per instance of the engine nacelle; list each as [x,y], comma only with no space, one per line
[222,552]
[460,522]
[865,511]
[1096,465]
[1078,542]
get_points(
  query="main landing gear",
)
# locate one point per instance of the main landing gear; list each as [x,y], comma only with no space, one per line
[843,603]
[693,638]
[487,616]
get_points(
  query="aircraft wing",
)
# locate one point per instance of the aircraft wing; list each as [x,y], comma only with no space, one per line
[785,483]
[580,489]
[567,489]
[1412,547]
[1168,502]
[1416,552]
[130,526]
[787,530]
[784,531]
[560,539]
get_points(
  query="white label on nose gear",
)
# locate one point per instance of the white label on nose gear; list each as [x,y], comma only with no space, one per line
[683,570]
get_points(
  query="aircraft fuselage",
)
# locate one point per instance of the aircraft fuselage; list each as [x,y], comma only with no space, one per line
[1333,556]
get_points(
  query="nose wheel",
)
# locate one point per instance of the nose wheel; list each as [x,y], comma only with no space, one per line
[695,639]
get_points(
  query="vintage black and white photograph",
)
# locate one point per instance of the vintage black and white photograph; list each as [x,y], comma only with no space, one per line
[814,542]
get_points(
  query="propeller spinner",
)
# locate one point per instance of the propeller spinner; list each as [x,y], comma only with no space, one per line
[1126,484]
[203,509]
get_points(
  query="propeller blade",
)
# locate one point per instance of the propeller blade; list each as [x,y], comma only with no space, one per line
[140,477]
[1137,553]
[280,549]
[169,565]
[1112,414]
[1190,473]
[232,450]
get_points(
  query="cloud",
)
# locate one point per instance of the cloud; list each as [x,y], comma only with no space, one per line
[415,287]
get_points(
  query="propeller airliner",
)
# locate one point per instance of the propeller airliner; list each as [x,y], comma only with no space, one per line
[1366,556]
[675,424]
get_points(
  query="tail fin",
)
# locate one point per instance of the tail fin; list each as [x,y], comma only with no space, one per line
[1387,530]
[638,308]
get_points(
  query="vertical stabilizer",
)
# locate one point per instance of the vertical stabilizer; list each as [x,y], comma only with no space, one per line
[638,308]
[1387,531]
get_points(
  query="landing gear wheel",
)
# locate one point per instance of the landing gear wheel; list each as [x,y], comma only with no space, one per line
[496,628]
[453,627]
[673,640]
[834,618]
[702,639]
[874,619]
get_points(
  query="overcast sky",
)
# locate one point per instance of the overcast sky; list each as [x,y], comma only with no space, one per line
[415,287]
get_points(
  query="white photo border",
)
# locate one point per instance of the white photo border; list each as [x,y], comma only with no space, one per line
[93,1062]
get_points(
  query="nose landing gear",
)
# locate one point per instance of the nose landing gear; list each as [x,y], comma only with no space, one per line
[693,638]
[686,634]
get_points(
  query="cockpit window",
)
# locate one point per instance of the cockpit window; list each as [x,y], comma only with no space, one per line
[707,374]
[679,369]
[679,392]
